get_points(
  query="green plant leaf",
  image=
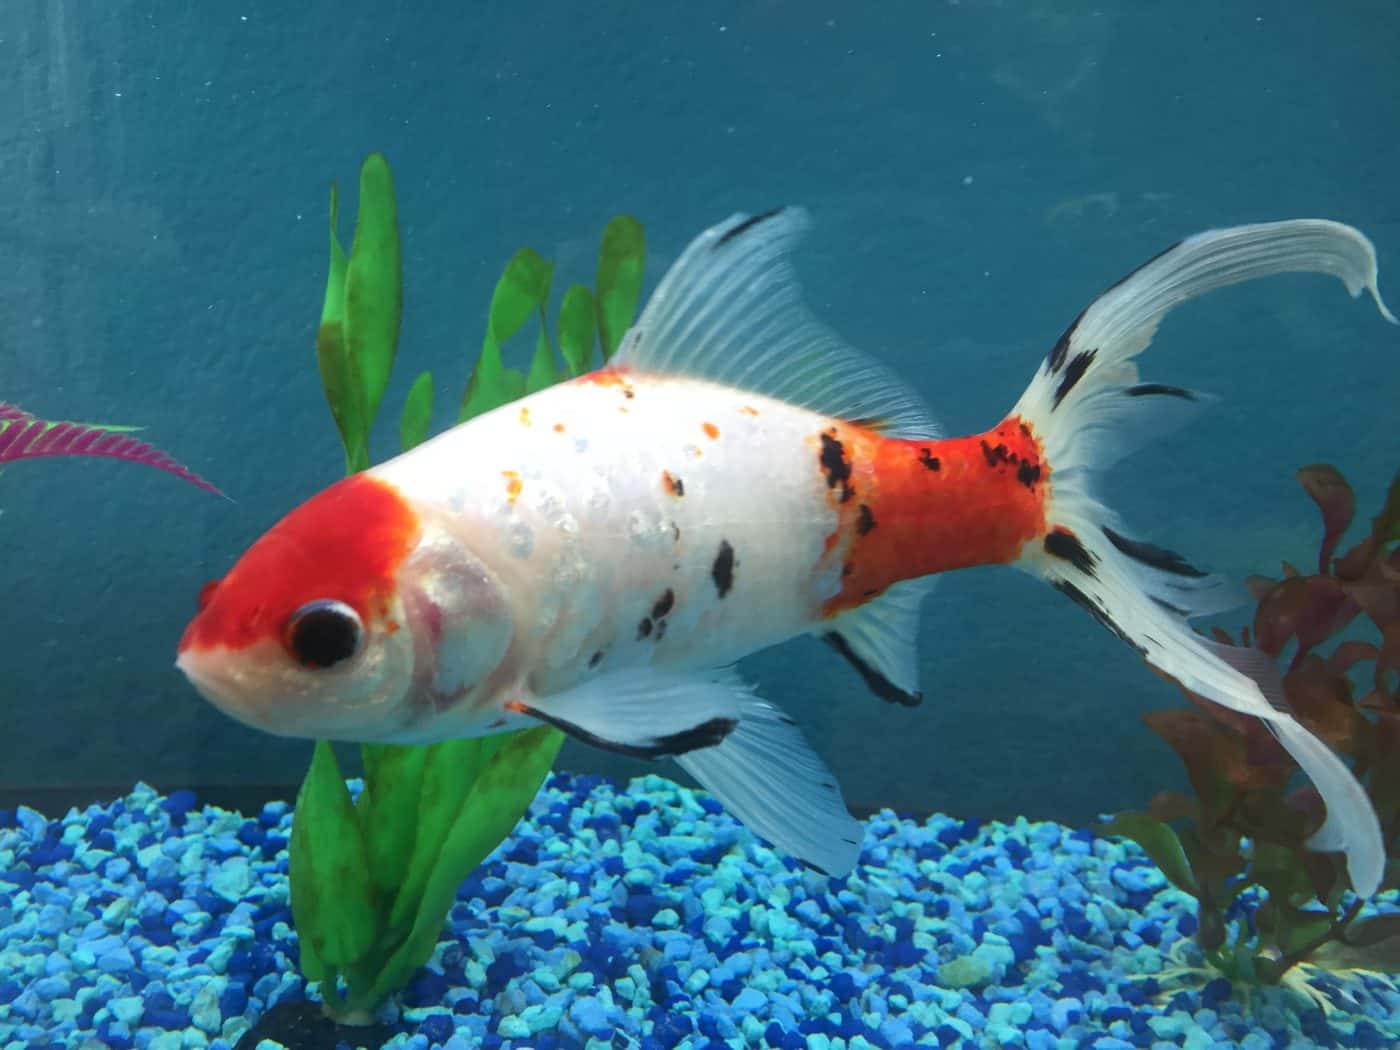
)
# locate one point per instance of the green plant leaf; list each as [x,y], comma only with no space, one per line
[388,811]
[339,376]
[332,901]
[374,283]
[417,415]
[1159,842]
[619,281]
[498,798]
[449,773]
[577,325]
[522,290]
[543,369]
[492,384]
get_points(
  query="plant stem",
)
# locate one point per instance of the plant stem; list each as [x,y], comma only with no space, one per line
[1293,958]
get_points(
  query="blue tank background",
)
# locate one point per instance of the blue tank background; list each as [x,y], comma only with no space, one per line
[977,172]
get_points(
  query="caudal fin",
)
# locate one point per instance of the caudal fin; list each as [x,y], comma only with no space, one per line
[1086,403]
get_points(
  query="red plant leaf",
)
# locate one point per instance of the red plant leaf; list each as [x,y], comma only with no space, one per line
[1321,698]
[1310,608]
[1334,497]
[1349,654]
[24,437]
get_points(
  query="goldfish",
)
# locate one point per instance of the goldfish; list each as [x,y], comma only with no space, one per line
[598,555]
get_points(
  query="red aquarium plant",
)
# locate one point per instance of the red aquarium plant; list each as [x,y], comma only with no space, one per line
[1335,635]
[23,436]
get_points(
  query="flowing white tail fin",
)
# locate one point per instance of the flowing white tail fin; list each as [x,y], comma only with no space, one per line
[1084,403]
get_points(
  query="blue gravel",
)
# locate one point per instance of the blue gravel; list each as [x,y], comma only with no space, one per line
[157,924]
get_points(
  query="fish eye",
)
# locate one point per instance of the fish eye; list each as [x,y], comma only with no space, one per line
[323,633]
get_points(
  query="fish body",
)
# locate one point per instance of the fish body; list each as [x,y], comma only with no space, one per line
[597,555]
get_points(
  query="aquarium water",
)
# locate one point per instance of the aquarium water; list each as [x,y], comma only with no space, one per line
[968,177]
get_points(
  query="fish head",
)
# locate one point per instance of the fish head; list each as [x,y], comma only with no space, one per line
[359,616]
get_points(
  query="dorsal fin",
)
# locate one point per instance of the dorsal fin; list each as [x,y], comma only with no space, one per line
[730,310]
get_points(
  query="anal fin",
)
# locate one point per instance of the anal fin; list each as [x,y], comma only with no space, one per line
[879,639]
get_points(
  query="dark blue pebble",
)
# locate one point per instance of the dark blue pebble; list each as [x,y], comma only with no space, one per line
[711,806]
[709,1025]
[178,804]
[710,855]
[162,1012]
[641,907]
[672,1026]
[9,989]
[613,866]
[428,988]
[437,1028]
[490,1041]
[505,968]
[1186,924]
[23,878]
[947,1035]
[50,851]
[1368,1036]
[1083,835]
[233,1001]
[1215,992]
[1116,1013]
[9,818]
[525,851]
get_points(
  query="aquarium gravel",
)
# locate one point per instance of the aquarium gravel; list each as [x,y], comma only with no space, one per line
[643,917]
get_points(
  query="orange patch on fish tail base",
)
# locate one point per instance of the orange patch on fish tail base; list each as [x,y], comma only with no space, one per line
[913,508]
[345,543]
[513,485]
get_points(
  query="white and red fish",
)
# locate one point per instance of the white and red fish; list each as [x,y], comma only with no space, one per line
[597,555]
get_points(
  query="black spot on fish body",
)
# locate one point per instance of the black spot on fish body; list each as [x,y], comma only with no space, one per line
[596,658]
[929,460]
[835,465]
[865,520]
[747,224]
[1150,554]
[1061,543]
[675,533]
[628,393]
[722,571]
[1160,389]
[878,683]
[644,628]
[664,604]
[1028,474]
[996,455]
[1073,374]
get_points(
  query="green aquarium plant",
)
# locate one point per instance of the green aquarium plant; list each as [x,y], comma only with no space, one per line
[372,879]
[1240,839]
[24,436]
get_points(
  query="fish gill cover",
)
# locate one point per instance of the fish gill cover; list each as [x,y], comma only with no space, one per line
[372,880]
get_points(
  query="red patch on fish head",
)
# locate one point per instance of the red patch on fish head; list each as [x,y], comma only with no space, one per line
[346,544]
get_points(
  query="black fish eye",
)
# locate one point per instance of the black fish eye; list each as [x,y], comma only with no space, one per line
[323,633]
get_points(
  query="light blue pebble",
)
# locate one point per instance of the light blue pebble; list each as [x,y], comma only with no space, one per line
[590,1015]
[117,960]
[749,1001]
[1111,1042]
[32,822]
[127,1008]
[52,920]
[1040,1039]
[1059,1013]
